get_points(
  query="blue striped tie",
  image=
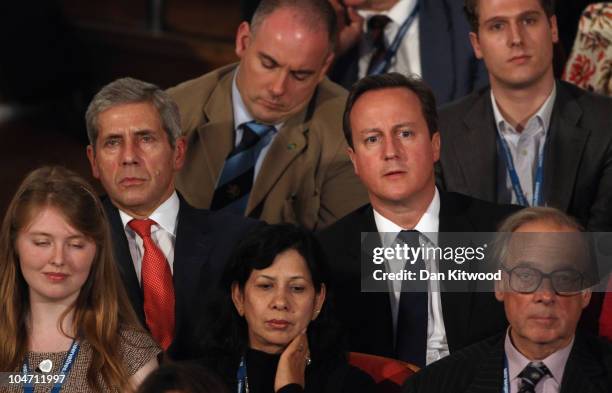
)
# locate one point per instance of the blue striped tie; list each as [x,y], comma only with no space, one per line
[237,177]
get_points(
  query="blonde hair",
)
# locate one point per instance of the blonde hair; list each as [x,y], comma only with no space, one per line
[101,308]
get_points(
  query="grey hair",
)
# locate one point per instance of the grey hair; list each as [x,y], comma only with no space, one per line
[539,214]
[131,91]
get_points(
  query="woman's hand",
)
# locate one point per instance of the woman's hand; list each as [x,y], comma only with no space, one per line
[292,363]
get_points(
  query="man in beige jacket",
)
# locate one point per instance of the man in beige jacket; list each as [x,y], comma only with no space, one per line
[265,136]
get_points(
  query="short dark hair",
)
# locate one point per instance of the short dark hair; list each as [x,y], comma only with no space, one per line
[470,8]
[388,81]
[314,13]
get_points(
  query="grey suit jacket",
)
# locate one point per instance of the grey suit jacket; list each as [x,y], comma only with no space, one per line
[479,369]
[578,155]
[306,177]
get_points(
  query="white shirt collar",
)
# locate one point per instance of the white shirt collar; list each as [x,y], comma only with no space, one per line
[398,13]
[543,114]
[166,215]
[555,363]
[428,223]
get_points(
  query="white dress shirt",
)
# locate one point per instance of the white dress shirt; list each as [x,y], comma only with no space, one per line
[408,57]
[437,345]
[163,234]
[524,146]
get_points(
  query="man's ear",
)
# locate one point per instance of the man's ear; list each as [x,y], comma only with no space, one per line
[554,29]
[328,62]
[475,45]
[351,153]
[91,156]
[435,145]
[238,298]
[180,148]
[243,38]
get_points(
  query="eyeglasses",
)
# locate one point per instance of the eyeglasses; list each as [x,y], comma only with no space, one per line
[525,279]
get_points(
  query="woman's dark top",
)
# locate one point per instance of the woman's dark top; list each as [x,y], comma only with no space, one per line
[330,378]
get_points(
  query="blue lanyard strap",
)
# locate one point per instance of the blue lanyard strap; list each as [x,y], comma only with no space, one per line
[382,66]
[70,357]
[537,197]
[241,376]
[506,375]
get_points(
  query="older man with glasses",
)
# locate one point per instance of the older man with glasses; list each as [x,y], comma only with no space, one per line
[545,287]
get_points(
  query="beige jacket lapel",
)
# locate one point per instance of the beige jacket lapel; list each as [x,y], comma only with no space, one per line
[216,135]
[287,145]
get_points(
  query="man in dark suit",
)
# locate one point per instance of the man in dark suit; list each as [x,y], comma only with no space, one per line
[169,253]
[390,123]
[544,290]
[527,139]
[435,44]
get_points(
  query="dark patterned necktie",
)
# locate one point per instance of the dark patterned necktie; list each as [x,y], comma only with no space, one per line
[238,174]
[411,336]
[531,376]
[376,31]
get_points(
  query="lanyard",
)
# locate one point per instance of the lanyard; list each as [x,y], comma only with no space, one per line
[506,375]
[537,197]
[241,376]
[382,66]
[72,354]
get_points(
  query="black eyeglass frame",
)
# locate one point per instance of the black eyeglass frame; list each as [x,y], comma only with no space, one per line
[542,276]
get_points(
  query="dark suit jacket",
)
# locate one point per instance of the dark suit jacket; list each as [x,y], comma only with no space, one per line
[448,64]
[479,369]
[366,316]
[204,241]
[578,156]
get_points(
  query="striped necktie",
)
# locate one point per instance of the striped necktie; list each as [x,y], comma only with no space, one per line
[238,174]
[531,376]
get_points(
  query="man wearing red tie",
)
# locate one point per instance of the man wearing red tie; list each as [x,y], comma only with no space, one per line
[169,254]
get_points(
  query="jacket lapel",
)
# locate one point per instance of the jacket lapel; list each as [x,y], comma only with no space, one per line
[564,150]
[213,137]
[438,71]
[191,251]
[121,252]
[489,377]
[480,169]
[288,144]
[583,373]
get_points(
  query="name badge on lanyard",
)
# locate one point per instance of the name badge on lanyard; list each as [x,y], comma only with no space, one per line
[537,198]
[384,64]
[70,357]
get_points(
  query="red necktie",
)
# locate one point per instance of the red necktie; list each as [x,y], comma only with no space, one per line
[157,286]
[605,321]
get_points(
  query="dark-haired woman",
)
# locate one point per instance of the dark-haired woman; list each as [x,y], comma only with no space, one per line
[273,331]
